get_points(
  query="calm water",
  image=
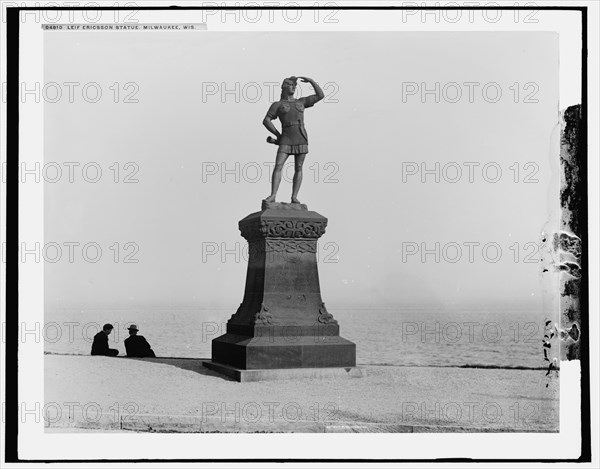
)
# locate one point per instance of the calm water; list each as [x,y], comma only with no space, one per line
[382,337]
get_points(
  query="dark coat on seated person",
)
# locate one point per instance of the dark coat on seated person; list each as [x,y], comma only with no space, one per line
[100,346]
[138,346]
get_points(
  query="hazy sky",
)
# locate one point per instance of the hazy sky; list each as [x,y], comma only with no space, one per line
[183,132]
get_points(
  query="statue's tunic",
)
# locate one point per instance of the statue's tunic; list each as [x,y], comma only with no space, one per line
[294,139]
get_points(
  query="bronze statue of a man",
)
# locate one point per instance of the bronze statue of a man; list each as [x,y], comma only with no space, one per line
[293,139]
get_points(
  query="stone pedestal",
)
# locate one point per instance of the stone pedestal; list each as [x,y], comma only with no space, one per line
[282,322]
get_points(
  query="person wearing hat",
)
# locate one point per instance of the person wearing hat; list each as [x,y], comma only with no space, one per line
[137,345]
[100,344]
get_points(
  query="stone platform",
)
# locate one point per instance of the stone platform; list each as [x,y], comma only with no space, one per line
[244,376]
[282,322]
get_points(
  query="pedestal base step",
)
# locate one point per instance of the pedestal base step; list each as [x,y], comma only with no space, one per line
[276,353]
[283,374]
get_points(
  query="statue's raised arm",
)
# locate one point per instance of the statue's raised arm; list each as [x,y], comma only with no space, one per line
[315,98]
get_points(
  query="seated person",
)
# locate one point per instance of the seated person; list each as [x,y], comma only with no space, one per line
[100,344]
[137,345]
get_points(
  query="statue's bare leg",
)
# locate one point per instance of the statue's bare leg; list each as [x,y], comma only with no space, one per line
[276,178]
[299,161]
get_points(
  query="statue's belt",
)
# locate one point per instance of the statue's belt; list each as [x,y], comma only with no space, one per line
[290,124]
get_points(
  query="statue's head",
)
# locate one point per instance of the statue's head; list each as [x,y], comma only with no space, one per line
[288,87]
